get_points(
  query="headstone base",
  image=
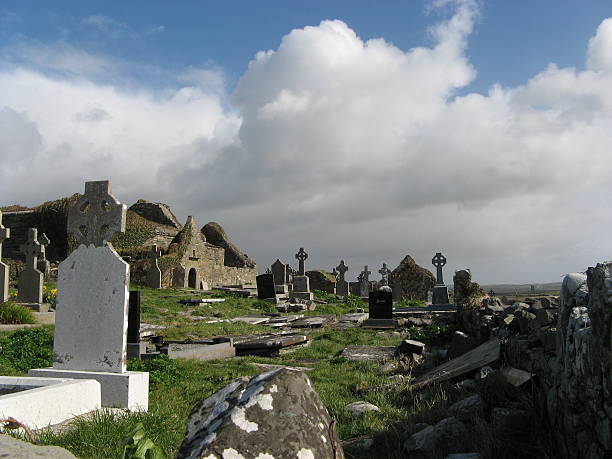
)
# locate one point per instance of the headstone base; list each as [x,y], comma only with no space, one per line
[379,323]
[303,295]
[440,294]
[36,307]
[128,390]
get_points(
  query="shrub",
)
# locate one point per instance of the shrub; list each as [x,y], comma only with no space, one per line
[354,301]
[15,314]
[320,295]
[26,349]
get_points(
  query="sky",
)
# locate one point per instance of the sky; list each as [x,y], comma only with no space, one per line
[363,131]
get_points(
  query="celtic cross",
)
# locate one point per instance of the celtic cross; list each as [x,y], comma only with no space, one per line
[97,216]
[301,256]
[342,269]
[5,233]
[31,249]
[439,261]
[384,272]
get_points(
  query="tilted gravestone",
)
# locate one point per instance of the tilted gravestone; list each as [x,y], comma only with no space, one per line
[342,286]
[384,272]
[92,315]
[301,283]
[279,271]
[154,273]
[440,291]
[265,286]
[5,233]
[31,279]
[364,282]
[43,264]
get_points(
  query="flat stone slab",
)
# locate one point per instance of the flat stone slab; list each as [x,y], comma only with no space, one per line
[355,317]
[379,323]
[201,300]
[16,449]
[372,353]
[255,320]
[44,317]
[201,352]
[313,321]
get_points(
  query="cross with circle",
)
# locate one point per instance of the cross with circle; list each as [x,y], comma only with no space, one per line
[301,256]
[439,261]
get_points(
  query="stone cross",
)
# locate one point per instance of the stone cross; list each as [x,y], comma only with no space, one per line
[31,279]
[439,261]
[364,279]
[301,256]
[342,269]
[342,286]
[43,264]
[5,233]
[154,273]
[97,216]
[384,272]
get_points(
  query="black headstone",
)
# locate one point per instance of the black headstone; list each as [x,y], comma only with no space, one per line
[265,286]
[133,333]
[381,305]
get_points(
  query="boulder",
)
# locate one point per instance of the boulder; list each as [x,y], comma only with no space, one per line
[357,409]
[17,449]
[468,408]
[409,346]
[275,414]
[447,436]
[410,280]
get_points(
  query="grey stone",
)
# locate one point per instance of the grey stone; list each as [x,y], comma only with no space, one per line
[447,436]
[342,286]
[31,279]
[273,415]
[359,408]
[372,353]
[279,271]
[468,408]
[154,274]
[409,346]
[97,216]
[5,233]
[16,449]
[301,288]
[384,272]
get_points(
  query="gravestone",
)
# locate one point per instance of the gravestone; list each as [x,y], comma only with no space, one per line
[91,321]
[440,291]
[342,286]
[364,282]
[5,233]
[380,310]
[154,273]
[30,279]
[301,283]
[43,264]
[133,330]
[265,286]
[279,271]
[384,272]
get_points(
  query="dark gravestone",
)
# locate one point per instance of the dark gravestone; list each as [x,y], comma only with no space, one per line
[133,331]
[381,305]
[265,286]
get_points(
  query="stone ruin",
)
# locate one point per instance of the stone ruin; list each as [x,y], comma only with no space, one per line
[409,280]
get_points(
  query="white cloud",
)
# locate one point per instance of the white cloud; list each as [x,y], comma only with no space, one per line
[354,149]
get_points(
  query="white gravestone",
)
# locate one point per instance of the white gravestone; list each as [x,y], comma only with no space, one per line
[92,314]
[5,233]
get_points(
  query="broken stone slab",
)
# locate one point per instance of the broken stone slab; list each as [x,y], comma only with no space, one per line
[476,358]
[359,408]
[446,436]
[269,344]
[313,321]
[201,300]
[355,317]
[409,346]
[254,320]
[202,352]
[372,353]
[13,448]
[259,417]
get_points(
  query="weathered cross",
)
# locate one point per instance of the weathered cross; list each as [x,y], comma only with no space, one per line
[301,256]
[97,216]
[31,249]
[5,233]
[439,261]
[384,272]
[342,269]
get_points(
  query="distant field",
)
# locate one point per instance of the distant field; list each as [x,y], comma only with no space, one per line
[523,289]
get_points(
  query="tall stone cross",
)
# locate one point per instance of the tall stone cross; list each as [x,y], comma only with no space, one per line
[364,279]
[439,261]
[154,273]
[31,279]
[301,256]
[5,233]
[384,272]
[342,269]
[97,216]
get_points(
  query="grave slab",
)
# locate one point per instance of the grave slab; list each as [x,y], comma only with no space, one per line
[118,390]
[40,402]
[373,353]
[202,352]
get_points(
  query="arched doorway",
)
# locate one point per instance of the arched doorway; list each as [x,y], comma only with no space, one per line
[191,278]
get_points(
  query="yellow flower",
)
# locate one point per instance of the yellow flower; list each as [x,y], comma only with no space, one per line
[53,291]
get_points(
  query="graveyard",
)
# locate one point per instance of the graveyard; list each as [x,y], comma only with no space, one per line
[398,365]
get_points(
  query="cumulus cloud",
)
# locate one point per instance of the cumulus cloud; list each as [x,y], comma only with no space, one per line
[354,149]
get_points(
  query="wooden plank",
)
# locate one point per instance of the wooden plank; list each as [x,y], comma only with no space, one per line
[472,360]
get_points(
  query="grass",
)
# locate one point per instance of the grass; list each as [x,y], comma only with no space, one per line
[11,313]
[176,386]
